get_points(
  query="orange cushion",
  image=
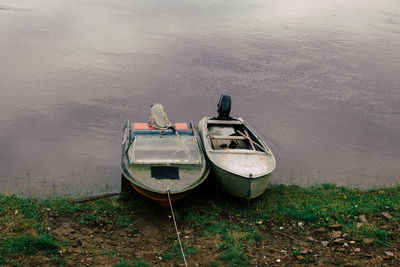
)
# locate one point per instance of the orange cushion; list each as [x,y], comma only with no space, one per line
[145,126]
[142,126]
[181,126]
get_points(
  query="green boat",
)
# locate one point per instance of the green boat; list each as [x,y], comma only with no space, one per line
[158,156]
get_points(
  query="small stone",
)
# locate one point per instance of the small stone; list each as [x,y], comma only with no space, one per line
[299,243]
[387,215]
[77,243]
[345,245]
[357,249]
[281,228]
[352,242]
[363,219]
[16,212]
[48,228]
[368,241]
[324,243]
[336,234]
[338,241]
[309,238]
[389,253]
[260,222]
[278,260]
[335,226]
[300,224]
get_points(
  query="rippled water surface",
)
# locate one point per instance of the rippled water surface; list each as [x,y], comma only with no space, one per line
[319,80]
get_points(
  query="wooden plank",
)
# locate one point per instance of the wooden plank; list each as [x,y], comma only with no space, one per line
[227,137]
[232,122]
[86,199]
[251,143]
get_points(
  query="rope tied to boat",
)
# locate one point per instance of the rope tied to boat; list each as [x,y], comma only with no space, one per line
[176,227]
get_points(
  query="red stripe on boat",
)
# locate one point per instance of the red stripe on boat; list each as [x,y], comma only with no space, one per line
[146,126]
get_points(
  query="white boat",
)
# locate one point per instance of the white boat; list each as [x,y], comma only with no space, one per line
[241,163]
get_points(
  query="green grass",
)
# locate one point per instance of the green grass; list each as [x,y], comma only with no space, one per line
[174,252]
[213,215]
[135,263]
[23,228]
[318,206]
[28,245]
[90,219]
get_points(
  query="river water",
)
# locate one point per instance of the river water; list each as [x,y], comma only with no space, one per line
[319,80]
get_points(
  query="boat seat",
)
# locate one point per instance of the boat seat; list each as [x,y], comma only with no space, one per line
[228,137]
[232,122]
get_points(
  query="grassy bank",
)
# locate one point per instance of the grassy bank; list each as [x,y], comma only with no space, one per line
[288,224]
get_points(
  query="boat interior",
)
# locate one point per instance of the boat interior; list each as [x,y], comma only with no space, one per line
[154,146]
[231,134]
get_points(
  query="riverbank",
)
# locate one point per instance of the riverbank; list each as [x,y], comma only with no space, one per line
[288,225]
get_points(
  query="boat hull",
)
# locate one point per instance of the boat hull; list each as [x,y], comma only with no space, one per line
[237,185]
[161,199]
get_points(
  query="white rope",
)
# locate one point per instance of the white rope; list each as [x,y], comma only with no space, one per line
[176,227]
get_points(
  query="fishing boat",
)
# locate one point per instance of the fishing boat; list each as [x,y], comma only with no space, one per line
[161,159]
[241,163]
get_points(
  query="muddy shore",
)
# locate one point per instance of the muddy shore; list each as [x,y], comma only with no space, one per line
[288,225]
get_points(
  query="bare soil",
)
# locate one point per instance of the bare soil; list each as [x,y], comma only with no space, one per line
[105,245]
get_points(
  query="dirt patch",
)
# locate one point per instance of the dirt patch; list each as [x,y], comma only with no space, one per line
[106,245]
[215,231]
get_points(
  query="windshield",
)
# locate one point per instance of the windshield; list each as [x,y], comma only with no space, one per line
[164,149]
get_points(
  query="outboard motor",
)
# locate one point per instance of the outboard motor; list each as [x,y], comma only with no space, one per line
[224,107]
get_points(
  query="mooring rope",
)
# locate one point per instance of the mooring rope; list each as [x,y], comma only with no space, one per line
[176,227]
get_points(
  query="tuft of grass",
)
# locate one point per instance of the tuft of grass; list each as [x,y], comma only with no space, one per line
[175,252]
[28,245]
[89,219]
[296,252]
[214,263]
[128,222]
[134,263]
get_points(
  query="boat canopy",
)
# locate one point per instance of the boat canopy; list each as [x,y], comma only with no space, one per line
[164,149]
